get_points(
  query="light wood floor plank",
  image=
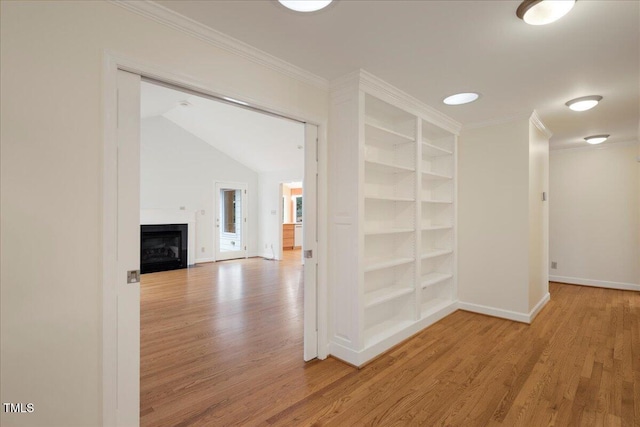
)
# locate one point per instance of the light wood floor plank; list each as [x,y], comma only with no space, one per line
[221,344]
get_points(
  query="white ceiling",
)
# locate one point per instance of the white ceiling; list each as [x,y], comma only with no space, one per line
[432,49]
[259,141]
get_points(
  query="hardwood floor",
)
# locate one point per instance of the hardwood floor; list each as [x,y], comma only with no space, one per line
[221,344]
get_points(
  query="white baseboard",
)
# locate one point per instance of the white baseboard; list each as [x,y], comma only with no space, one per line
[203,260]
[506,314]
[596,283]
[360,357]
[539,306]
[495,312]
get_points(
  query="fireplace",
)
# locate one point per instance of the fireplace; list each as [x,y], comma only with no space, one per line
[163,247]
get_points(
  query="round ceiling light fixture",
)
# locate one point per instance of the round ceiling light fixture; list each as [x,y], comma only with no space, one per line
[461,98]
[584,103]
[596,139]
[542,12]
[305,5]
[184,104]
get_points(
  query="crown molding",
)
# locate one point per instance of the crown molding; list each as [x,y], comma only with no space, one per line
[602,146]
[382,89]
[537,122]
[379,88]
[531,117]
[172,19]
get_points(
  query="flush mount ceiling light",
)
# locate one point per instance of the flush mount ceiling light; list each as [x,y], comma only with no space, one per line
[461,98]
[596,139]
[542,12]
[305,5]
[584,103]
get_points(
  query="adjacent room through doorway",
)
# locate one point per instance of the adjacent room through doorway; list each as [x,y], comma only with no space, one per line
[210,175]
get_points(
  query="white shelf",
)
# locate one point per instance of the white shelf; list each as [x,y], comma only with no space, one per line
[436,227]
[383,330]
[379,231]
[434,278]
[390,198]
[379,264]
[386,167]
[403,178]
[380,296]
[434,176]
[437,201]
[433,306]
[435,253]
[433,150]
[379,133]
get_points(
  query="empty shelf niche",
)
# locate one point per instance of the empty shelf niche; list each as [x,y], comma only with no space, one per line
[436,215]
[387,184]
[387,151]
[437,190]
[385,320]
[384,121]
[436,142]
[436,167]
[384,285]
[436,242]
[436,297]
[388,250]
[435,271]
[387,217]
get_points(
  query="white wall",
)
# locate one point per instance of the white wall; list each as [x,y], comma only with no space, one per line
[270,208]
[52,56]
[538,216]
[493,211]
[594,216]
[179,169]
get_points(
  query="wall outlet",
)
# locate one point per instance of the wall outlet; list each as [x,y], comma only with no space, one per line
[202,249]
[554,265]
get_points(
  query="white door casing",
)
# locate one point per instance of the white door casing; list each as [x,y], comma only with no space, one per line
[117,384]
[128,250]
[310,241]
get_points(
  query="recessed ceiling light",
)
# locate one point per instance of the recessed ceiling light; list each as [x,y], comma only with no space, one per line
[542,12]
[184,104]
[584,103]
[235,101]
[461,98]
[596,139]
[305,5]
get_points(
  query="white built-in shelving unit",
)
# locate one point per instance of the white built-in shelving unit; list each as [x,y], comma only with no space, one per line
[393,256]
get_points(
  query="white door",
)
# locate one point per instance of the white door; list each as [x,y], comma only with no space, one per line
[128,251]
[310,241]
[230,231]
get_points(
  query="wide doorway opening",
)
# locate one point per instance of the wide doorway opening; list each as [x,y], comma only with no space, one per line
[235,309]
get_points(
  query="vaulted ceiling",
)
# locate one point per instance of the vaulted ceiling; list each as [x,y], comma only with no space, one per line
[261,142]
[431,49]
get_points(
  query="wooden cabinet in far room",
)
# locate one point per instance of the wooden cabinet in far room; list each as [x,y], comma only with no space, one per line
[288,236]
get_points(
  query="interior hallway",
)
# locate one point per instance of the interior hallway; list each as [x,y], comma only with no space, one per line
[221,344]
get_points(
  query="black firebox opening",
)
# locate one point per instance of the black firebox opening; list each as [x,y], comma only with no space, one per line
[163,247]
